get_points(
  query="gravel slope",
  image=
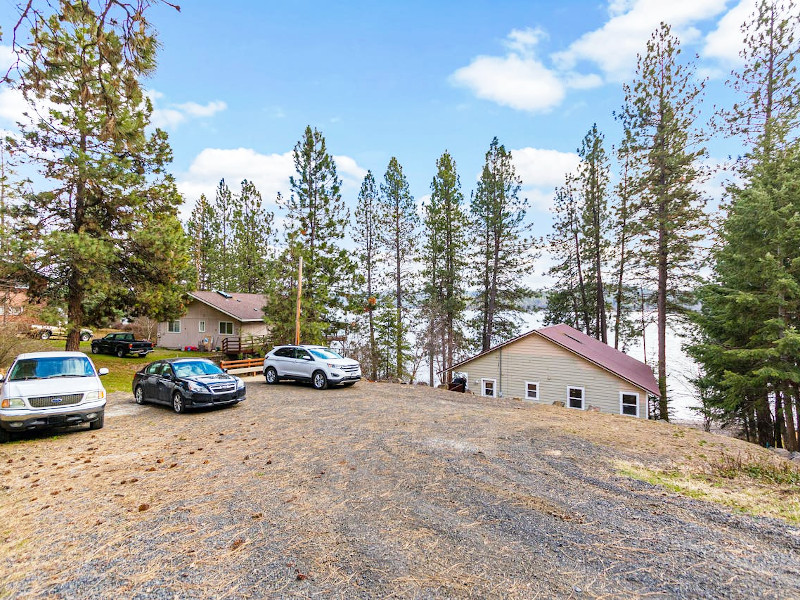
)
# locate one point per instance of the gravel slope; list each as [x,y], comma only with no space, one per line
[372,491]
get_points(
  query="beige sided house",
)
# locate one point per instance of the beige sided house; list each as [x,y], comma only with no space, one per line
[561,364]
[213,316]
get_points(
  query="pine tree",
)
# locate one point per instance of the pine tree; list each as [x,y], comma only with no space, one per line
[105,230]
[661,108]
[365,234]
[222,263]
[315,223]
[399,242]
[751,310]
[200,231]
[443,256]
[593,175]
[253,240]
[503,254]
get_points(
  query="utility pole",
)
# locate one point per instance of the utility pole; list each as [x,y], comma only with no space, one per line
[299,292]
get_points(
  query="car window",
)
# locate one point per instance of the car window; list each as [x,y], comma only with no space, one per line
[49,367]
[153,368]
[285,352]
[302,354]
[324,353]
[166,370]
[196,367]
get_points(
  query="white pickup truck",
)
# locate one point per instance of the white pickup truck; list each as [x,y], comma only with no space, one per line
[51,389]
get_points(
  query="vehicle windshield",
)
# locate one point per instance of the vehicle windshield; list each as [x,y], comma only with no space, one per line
[324,353]
[195,367]
[50,367]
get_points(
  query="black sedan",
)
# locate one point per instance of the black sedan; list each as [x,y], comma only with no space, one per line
[186,383]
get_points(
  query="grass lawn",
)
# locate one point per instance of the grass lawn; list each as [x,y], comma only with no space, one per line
[121,370]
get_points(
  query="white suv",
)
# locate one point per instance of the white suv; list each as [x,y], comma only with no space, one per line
[317,364]
[51,389]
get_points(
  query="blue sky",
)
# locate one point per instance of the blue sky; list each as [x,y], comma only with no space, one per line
[238,82]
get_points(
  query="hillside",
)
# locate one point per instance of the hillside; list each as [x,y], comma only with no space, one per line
[385,489]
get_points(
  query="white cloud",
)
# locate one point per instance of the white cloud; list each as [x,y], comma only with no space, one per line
[725,42]
[173,115]
[12,106]
[541,171]
[269,173]
[518,80]
[614,46]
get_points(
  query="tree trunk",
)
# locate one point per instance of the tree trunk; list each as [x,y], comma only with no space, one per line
[663,402]
[779,427]
[790,440]
[764,422]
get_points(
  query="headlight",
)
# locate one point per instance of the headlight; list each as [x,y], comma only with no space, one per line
[12,403]
[99,395]
[196,387]
[332,366]
[239,383]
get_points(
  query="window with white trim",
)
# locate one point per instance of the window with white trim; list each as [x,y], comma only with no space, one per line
[226,327]
[575,397]
[202,327]
[174,327]
[629,404]
[489,387]
[531,390]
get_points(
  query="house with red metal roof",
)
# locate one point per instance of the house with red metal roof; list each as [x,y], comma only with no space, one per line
[561,364]
[213,316]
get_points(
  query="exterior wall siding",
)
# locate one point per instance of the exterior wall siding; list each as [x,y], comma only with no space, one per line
[190,334]
[536,359]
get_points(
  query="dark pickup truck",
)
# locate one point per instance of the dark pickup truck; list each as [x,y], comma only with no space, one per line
[121,344]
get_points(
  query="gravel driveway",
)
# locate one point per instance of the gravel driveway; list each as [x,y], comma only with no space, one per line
[372,491]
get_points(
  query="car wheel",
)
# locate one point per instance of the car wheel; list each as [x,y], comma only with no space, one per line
[271,375]
[97,423]
[319,381]
[45,335]
[120,352]
[85,337]
[138,395]
[95,349]
[178,403]
[143,355]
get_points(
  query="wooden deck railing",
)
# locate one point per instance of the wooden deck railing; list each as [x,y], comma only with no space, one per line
[247,365]
[248,345]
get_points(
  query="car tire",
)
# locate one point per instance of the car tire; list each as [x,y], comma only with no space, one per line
[95,349]
[319,380]
[178,403]
[97,423]
[85,337]
[120,353]
[143,355]
[271,376]
[45,335]
[138,395]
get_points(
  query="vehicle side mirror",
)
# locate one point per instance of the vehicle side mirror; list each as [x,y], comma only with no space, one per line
[2,377]
[307,357]
[102,371]
[224,370]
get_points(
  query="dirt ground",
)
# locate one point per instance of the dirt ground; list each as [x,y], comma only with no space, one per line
[373,491]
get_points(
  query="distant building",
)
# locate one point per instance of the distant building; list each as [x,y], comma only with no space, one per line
[561,364]
[211,317]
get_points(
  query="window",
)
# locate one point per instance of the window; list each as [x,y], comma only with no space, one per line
[174,327]
[531,390]
[575,397]
[488,387]
[629,404]
[202,328]
[285,352]
[226,327]
[153,369]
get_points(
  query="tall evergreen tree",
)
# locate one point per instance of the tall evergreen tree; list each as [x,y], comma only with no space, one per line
[315,222]
[444,262]
[593,176]
[366,236]
[399,242]
[200,230]
[751,311]
[222,263]
[105,230]
[253,240]
[503,254]
[661,108]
